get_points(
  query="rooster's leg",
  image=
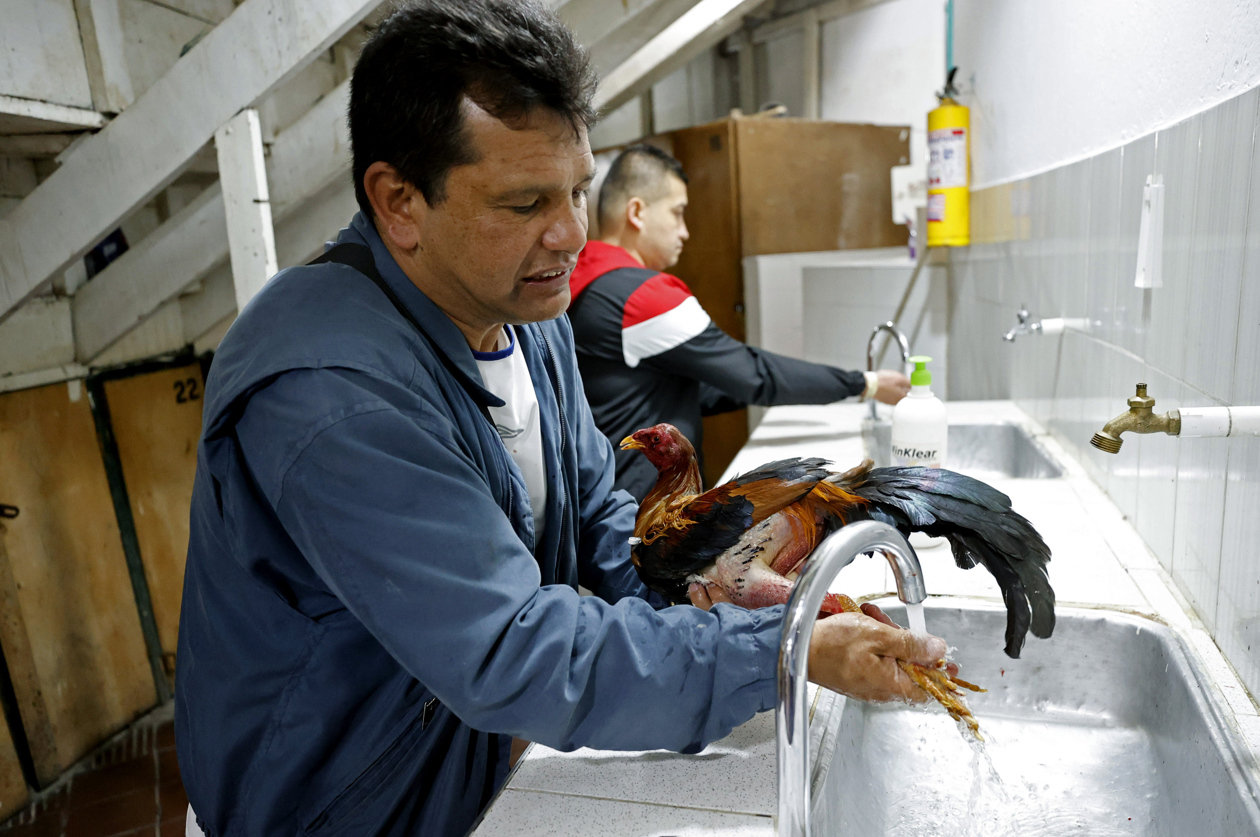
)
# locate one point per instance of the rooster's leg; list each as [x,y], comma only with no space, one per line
[936,682]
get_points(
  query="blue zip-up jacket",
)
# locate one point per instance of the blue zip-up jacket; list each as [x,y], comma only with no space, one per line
[367,617]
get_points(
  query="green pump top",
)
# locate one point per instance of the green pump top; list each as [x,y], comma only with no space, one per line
[921,377]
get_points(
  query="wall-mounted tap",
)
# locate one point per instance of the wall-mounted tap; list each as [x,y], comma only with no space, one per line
[1049,326]
[902,343]
[1188,421]
[791,721]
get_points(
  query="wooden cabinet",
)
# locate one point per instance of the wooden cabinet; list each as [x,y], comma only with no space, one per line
[761,186]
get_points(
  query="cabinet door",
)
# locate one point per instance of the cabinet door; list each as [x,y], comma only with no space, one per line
[157,422]
[71,632]
[806,186]
[710,263]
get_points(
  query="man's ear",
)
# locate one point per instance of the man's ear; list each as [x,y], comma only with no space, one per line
[397,204]
[635,208]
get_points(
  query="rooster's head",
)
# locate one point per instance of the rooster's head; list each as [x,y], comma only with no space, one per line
[664,445]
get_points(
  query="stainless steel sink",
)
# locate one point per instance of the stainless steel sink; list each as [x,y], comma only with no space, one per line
[1108,728]
[980,450]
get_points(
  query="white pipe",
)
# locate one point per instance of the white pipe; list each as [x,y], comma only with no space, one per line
[1057,325]
[1220,421]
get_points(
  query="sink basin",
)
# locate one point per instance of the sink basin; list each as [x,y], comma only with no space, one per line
[979,450]
[1108,728]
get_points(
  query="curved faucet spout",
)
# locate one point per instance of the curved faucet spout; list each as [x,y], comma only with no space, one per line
[791,713]
[902,343]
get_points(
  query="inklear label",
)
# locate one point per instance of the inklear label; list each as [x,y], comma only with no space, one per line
[915,457]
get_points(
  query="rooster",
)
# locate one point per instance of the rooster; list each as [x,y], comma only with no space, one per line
[750,536]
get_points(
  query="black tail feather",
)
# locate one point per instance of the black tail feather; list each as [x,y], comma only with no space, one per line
[981,527]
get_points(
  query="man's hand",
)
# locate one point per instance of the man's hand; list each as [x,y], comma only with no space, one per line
[856,654]
[893,386]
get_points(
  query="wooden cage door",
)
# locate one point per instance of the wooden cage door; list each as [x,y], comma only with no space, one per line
[156,419]
[72,636]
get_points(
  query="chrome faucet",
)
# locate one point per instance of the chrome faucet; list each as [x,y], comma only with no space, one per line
[902,342]
[1049,326]
[791,714]
[1022,326]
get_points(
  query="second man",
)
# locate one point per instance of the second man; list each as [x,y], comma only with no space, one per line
[648,352]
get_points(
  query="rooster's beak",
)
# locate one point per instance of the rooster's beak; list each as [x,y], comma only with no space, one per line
[631,443]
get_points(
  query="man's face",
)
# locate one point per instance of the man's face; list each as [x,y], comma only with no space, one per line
[664,230]
[502,244]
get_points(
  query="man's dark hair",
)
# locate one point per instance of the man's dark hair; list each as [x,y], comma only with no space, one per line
[508,56]
[640,171]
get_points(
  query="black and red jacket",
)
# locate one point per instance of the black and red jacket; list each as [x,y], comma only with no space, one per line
[649,353]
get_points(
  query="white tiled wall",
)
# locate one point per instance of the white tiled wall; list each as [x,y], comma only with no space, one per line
[1066,247]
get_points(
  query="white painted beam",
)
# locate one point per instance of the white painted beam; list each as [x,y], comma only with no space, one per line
[34,145]
[37,336]
[311,152]
[308,155]
[614,34]
[811,59]
[100,26]
[31,116]
[747,74]
[708,22]
[300,236]
[246,204]
[258,47]
[190,244]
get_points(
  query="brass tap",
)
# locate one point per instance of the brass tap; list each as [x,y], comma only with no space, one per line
[1138,419]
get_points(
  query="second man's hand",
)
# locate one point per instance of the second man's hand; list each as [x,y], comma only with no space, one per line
[893,386]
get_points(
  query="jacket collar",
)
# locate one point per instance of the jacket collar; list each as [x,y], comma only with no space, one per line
[598,258]
[442,331]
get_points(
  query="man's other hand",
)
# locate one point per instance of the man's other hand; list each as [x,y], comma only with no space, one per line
[893,386]
[705,596]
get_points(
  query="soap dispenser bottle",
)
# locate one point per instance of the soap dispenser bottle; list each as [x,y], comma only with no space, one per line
[919,425]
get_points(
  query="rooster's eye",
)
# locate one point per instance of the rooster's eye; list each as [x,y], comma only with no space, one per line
[656,438]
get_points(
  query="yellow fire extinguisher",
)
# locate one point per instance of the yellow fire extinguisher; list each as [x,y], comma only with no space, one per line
[949,174]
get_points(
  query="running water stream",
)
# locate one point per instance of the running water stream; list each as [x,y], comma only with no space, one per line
[914,613]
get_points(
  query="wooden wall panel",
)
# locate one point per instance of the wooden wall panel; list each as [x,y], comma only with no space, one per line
[157,422]
[807,186]
[13,791]
[710,262]
[84,668]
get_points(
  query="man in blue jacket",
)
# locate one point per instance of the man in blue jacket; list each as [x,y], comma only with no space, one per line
[400,487]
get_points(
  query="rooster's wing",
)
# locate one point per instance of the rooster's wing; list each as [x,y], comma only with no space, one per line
[689,538]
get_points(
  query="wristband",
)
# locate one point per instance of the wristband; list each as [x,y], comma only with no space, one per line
[872,385]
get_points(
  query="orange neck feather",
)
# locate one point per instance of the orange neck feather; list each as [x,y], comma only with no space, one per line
[680,481]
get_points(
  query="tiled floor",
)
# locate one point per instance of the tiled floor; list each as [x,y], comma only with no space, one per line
[130,787]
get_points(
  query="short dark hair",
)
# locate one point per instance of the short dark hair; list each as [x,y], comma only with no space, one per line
[406,95]
[640,171]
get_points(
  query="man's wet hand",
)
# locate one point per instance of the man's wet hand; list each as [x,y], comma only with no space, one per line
[856,654]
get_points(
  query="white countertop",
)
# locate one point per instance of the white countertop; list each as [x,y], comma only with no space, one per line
[729,788]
